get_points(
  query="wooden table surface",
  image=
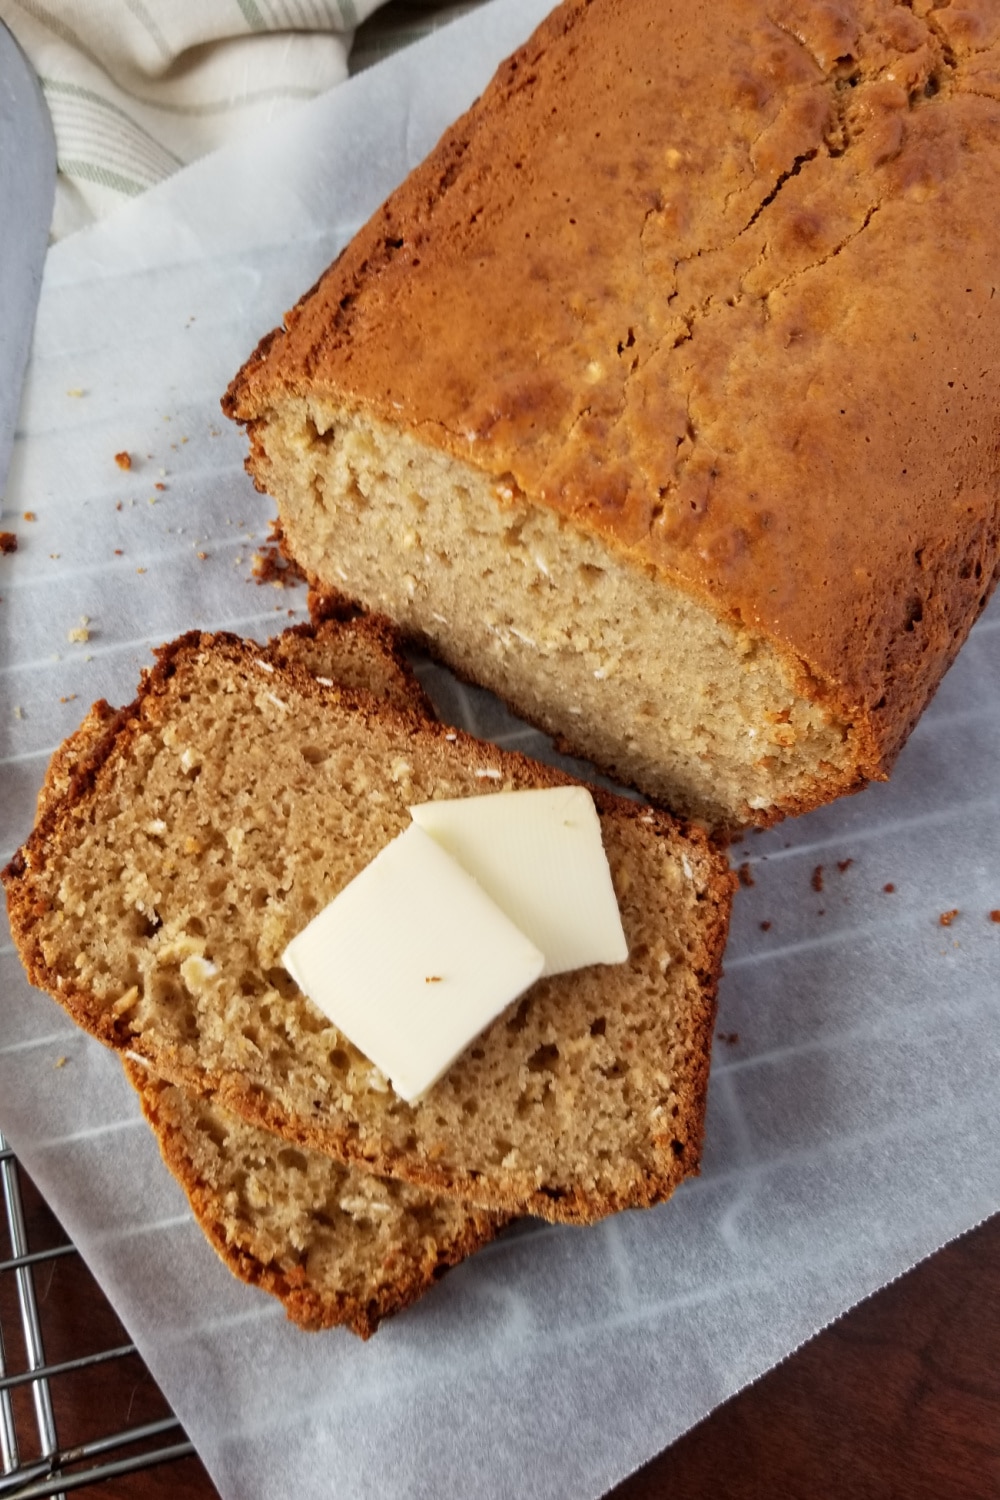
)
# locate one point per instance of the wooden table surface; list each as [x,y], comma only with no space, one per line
[900,1398]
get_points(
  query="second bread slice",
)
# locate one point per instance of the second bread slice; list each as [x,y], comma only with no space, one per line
[227,806]
[333,1244]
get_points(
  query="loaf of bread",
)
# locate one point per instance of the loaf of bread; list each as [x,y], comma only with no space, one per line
[336,1245]
[227,806]
[661,398]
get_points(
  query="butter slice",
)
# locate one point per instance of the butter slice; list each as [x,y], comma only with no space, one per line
[412,961]
[540,856]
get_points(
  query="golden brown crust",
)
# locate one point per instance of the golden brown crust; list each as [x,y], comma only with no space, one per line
[760,359]
[72,753]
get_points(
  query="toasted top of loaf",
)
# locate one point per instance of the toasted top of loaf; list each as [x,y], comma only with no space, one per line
[334,1244]
[716,284]
[227,806]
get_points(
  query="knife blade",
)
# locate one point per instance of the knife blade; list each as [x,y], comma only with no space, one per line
[27,189]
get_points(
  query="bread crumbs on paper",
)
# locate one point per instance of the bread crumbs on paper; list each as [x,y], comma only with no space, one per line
[29,515]
[8,542]
[995,915]
[889,888]
[947,917]
[60,1062]
[123,460]
[745,874]
[765,926]
[269,565]
[816,880]
[844,864]
[78,633]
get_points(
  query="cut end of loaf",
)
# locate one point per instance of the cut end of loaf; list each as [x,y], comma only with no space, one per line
[625,668]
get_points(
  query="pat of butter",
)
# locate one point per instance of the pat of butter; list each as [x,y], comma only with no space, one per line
[412,961]
[539,855]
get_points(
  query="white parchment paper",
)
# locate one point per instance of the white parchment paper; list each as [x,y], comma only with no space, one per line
[853,1118]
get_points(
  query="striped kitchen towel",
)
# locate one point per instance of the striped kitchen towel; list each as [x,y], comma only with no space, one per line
[138,88]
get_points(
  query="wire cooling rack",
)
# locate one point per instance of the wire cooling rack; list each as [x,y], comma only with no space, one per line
[33,1462]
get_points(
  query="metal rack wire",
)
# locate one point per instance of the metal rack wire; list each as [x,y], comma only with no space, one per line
[32,1463]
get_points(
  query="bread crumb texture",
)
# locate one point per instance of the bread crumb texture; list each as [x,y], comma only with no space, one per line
[216,816]
[661,398]
[335,1245]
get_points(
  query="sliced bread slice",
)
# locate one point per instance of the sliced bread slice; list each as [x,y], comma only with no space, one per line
[339,646]
[227,806]
[335,1245]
